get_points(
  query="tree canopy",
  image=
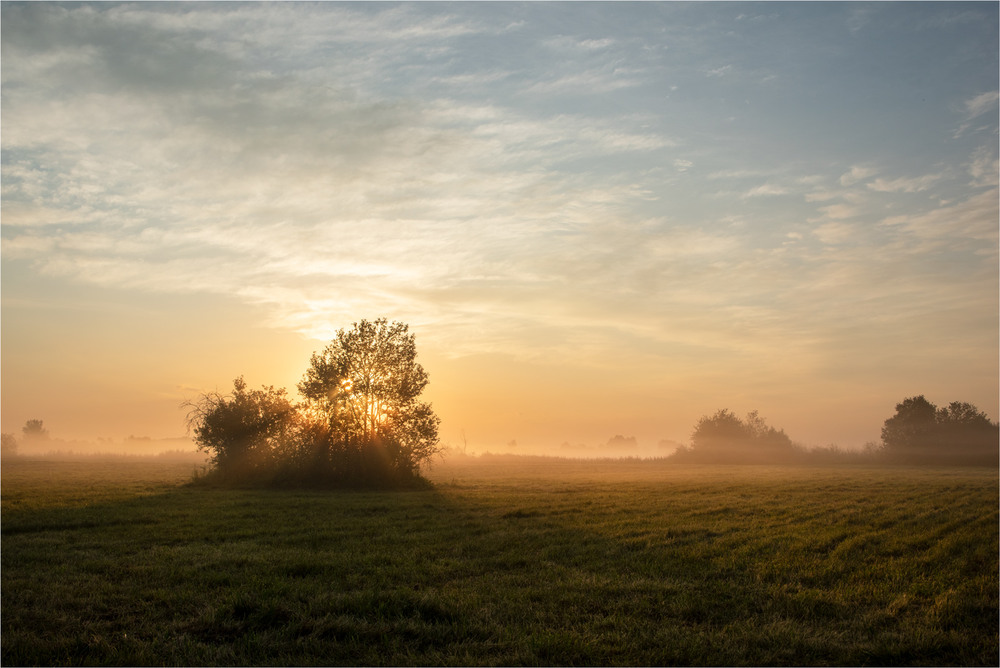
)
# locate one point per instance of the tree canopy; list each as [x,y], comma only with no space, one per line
[725,438]
[366,386]
[959,433]
[246,431]
[360,421]
[35,430]
[918,433]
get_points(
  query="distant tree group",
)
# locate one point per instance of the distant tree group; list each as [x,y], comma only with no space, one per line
[922,433]
[361,421]
[619,443]
[919,433]
[726,438]
[34,430]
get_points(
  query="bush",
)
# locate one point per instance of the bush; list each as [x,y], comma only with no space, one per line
[244,432]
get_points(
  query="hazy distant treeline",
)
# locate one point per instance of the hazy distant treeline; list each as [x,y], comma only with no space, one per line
[918,433]
[255,431]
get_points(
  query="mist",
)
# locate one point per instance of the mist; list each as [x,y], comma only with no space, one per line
[45,445]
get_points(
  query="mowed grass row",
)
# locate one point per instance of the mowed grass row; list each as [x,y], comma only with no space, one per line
[508,562]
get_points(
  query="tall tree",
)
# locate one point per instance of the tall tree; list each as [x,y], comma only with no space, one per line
[367,384]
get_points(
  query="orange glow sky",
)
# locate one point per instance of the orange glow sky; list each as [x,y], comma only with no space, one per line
[597,219]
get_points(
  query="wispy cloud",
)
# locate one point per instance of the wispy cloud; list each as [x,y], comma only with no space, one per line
[765,190]
[835,232]
[982,103]
[984,167]
[839,211]
[822,195]
[974,107]
[857,173]
[906,185]
[737,174]
[594,81]
[966,223]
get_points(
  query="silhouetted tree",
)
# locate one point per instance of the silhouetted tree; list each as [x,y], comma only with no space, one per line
[960,433]
[724,437]
[719,431]
[34,430]
[365,386]
[964,415]
[912,427]
[968,434]
[245,431]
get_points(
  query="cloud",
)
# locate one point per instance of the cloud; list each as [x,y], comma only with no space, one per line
[765,190]
[975,107]
[984,167]
[906,185]
[859,18]
[857,173]
[982,103]
[822,195]
[316,203]
[596,43]
[300,158]
[834,233]
[967,223]
[839,211]
[719,71]
[737,174]
[589,82]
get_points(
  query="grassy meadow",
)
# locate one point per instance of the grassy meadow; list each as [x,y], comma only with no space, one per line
[507,561]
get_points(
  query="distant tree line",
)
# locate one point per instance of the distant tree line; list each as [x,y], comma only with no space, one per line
[360,422]
[918,433]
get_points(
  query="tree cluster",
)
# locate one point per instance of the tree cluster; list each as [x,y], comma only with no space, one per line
[33,431]
[959,433]
[361,421]
[726,438]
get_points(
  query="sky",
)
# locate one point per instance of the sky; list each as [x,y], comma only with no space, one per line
[598,219]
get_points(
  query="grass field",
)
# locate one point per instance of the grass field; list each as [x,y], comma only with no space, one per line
[507,561]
